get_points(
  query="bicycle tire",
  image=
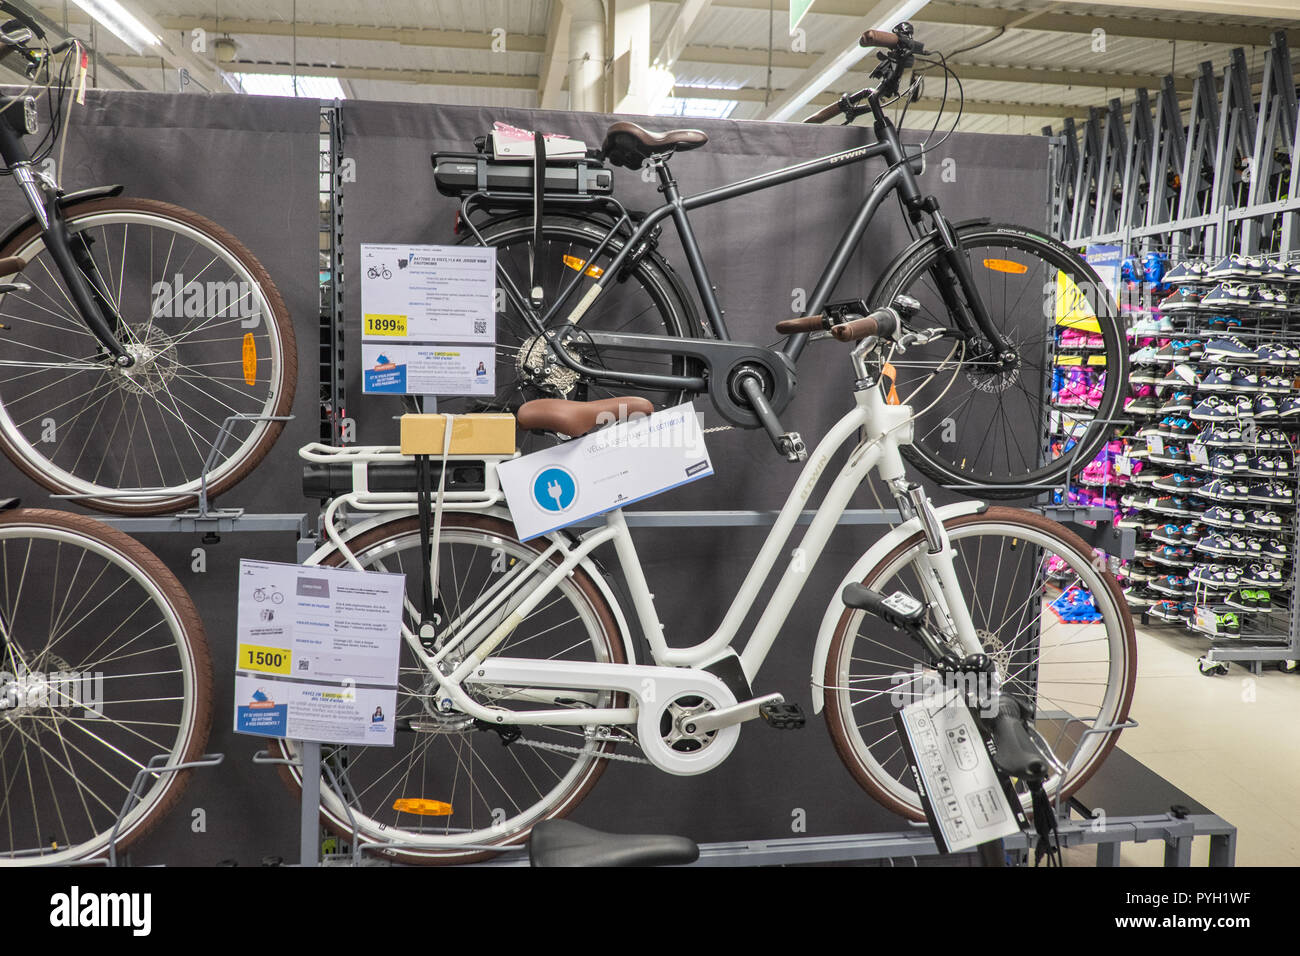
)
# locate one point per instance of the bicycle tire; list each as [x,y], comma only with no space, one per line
[158,584]
[572,239]
[63,477]
[385,540]
[891,788]
[904,275]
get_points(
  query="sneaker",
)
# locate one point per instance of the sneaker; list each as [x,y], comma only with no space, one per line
[1144,356]
[1244,380]
[1264,521]
[1227,623]
[1272,493]
[1274,299]
[1216,576]
[1275,550]
[1263,576]
[1228,295]
[1178,402]
[1213,409]
[1184,298]
[1217,544]
[1231,349]
[1187,272]
[1169,505]
[1175,554]
[1218,517]
[1230,267]
[1289,408]
[1145,375]
[1275,385]
[1218,380]
[1243,600]
[1174,584]
[1222,465]
[1179,484]
[1263,599]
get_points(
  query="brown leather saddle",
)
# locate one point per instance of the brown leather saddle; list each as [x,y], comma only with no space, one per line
[628,145]
[578,418]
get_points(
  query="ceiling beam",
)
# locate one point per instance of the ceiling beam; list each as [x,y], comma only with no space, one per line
[529,83]
[1265,9]
[555,57]
[923,105]
[831,65]
[959,14]
[684,18]
[504,81]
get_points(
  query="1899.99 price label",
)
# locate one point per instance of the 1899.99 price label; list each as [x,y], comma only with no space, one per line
[380,324]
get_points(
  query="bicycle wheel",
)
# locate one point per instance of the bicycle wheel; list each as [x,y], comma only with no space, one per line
[211,338]
[497,790]
[650,301]
[105,667]
[983,425]
[1011,564]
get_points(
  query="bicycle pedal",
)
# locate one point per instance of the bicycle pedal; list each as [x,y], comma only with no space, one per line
[783,716]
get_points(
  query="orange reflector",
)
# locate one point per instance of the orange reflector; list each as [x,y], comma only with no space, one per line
[250,359]
[889,375]
[576,264]
[422,807]
[1006,265]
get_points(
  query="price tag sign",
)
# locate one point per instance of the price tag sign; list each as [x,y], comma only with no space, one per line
[316,653]
[1205,619]
[1198,453]
[1124,465]
[1156,445]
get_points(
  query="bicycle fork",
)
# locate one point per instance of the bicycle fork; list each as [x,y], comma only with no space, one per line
[70,253]
[937,567]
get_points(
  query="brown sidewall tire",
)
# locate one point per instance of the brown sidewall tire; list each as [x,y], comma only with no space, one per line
[504,529]
[836,718]
[279,315]
[182,606]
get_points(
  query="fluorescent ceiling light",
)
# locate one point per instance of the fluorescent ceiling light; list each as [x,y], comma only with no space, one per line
[284,84]
[119,21]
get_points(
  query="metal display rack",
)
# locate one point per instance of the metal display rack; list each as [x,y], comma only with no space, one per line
[1217,183]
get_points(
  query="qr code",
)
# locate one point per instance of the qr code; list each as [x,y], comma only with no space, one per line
[480,326]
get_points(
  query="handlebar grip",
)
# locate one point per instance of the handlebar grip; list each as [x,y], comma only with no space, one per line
[879,38]
[11,264]
[882,322]
[805,323]
[825,113]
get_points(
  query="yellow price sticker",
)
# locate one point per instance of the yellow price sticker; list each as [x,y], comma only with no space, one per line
[378,324]
[270,660]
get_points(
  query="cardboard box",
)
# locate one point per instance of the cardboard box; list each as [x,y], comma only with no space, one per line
[479,434]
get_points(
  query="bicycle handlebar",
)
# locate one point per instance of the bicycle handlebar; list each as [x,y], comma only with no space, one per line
[879,38]
[882,322]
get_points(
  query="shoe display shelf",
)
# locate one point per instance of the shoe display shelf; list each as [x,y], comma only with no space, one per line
[1207,473]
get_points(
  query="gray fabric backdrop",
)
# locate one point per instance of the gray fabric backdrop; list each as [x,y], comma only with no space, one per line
[250,164]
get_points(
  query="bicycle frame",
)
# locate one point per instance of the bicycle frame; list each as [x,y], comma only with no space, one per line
[899,176]
[883,429]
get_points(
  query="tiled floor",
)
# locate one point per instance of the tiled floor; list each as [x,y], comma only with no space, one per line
[1230,742]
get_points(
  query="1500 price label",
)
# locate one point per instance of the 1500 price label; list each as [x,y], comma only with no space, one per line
[378,324]
[270,660]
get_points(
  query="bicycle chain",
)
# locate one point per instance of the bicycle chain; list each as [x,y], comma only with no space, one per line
[565,748]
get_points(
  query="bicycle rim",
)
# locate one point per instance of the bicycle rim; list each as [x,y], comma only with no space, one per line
[77,598]
[211,341]
[497,791]
[649,302]
[983,426]
[1082,671]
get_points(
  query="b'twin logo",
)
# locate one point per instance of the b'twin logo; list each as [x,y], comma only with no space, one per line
[76,909]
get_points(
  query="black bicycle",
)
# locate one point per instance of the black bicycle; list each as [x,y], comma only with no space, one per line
[145,349]
[591,308]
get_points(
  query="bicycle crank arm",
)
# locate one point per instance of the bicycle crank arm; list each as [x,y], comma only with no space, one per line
[723,363]
[729,716]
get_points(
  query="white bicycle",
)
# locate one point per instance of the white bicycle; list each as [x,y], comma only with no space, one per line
[519,674]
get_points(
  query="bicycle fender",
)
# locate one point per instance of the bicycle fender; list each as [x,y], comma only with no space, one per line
[587,565]
[874,555]
[65,202]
